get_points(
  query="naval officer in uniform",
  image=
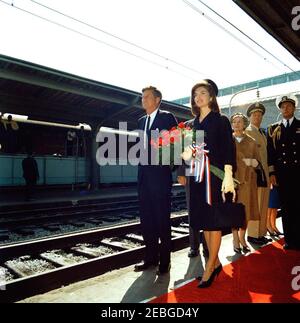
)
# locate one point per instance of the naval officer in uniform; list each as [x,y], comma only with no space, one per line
[284,167]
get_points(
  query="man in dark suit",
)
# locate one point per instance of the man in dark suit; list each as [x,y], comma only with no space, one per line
[30,174]
[284,168]
[154,188]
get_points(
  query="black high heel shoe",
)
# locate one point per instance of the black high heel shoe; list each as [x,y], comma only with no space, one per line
[207,283]
[245,249]
[237,250]
[278,233]
[272,234]
[216,271]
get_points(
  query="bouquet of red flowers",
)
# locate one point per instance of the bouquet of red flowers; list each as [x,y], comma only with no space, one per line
[171,144]
[184,143]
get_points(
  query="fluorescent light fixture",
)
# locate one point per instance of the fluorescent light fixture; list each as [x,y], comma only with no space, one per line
[119,132]
[22,118]
[15,117]
[85,126]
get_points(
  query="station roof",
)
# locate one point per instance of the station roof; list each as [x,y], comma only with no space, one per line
[276,18]
[46,94]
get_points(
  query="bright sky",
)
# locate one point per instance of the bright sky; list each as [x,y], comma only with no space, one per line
[170,28]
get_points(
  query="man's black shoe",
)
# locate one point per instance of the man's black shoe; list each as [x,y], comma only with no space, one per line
[144,265]
[163,270]
[193,253]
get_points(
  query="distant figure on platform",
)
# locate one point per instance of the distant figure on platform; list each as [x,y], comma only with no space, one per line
[30,174]
[154,188]
[284,167]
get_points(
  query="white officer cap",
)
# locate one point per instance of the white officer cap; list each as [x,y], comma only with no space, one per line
[287,98]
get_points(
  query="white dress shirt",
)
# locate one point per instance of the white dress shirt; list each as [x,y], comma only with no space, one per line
[152,117]
[284,121]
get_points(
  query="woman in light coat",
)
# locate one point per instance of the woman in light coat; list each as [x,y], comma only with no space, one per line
[247,159]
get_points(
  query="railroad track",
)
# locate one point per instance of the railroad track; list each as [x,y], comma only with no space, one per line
[34,267]
[19,225]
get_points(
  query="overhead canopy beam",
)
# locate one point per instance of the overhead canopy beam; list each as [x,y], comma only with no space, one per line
[40,108]
[276,17]
[55,85]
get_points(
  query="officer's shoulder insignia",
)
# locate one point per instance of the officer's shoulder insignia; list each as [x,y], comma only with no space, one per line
[271,127]
[274,125]
[274,131]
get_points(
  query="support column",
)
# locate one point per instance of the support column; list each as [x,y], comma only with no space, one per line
[94,167]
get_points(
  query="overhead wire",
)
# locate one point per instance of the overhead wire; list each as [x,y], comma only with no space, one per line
[247,36]
[145,49]
[97,40]
[119,38]
[233,35]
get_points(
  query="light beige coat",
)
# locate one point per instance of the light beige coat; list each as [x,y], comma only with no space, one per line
[246,175]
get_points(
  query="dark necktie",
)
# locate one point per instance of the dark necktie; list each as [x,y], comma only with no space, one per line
[287,124]
[147,127]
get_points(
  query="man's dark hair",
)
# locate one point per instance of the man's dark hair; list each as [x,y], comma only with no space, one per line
[154,90]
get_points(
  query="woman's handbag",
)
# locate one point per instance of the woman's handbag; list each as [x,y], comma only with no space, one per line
[225,215]
[261,179]
[230,215]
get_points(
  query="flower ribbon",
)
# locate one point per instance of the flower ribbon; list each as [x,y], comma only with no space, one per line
[200,163]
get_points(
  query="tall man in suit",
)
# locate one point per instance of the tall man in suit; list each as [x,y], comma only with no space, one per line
[154,188]
[258,229]
[284,167]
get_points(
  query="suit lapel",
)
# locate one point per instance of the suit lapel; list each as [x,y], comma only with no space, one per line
[259,134]
[155,123]
[142,122]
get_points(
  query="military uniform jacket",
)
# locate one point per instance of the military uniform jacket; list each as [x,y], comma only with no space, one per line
[284,147]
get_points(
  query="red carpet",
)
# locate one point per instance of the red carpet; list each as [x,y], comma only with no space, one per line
[262,277]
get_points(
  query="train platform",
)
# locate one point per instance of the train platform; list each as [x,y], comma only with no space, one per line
[42,197]
[126,286]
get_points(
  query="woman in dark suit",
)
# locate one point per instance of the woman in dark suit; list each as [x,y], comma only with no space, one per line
[219,143]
